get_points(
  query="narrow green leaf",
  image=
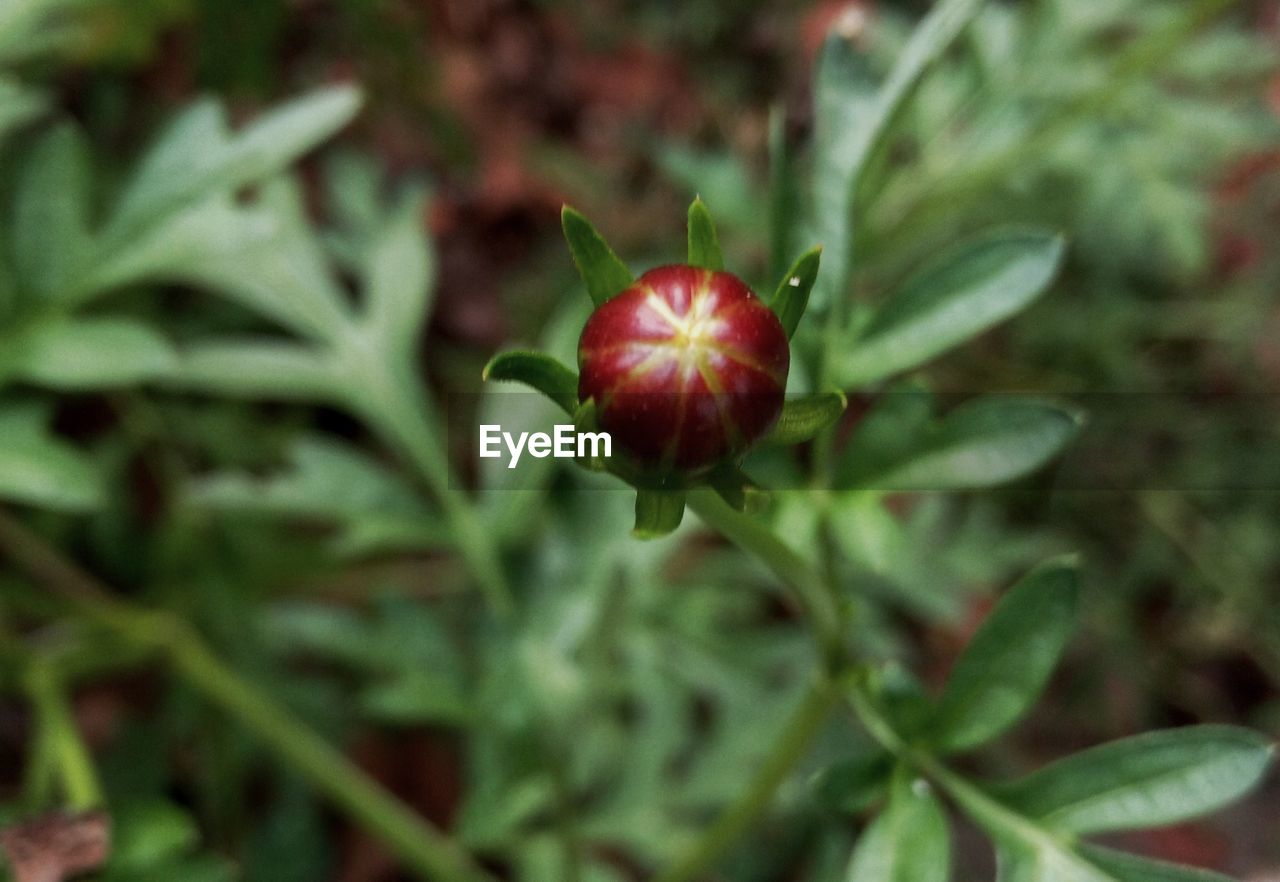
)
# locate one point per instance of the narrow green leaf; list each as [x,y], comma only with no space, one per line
[908,842]
[539,371]
[37,468]
[658,512]
[399,276]
[1008,663]
[51,238]
[76,355]
[1043,859]
[1146,781]
[955,297]
[196,159]
[251,368]
[791,297]
[1130,868]
[853,116]
[784,195]
[983,443]
[604,274]
[731,483]
[704,244]
[18,106]
[804,417]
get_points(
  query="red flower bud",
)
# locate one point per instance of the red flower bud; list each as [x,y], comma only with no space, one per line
[687,368]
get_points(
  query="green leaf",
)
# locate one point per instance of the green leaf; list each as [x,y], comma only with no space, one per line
[804,417]
[51,213]
[147,832]
[1006,666]
[953,298]
[704,244]
[853,785]
[658,512]
[18,106]
[39,469]
[539,371]
[334,483]
[1145,781]
[263,368]
[399,277]
[983,443]
[784,193]
[1129,868]
[263,255]
[416,697]
[908,842]
[791,297]
[604,274]
[76,355]
[853,117]
[196,159]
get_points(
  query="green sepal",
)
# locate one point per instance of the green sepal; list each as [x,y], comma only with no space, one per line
[658,513]
[732,485]
[538,370]
[791,297]
[603,271]
[704,244]
[803,418]
[584,420]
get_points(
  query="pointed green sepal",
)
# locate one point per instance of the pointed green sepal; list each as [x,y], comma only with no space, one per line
[704,244]
[792,295]
[542,372]
[658,512]
[803,418]
[603,271]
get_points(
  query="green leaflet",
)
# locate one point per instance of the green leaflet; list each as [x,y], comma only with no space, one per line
[603,272]
[539,371]
[704,244]
[908,842]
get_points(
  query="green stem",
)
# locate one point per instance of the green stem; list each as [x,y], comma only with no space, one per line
[812,591]
[415,842]
[58,741]
[792,744]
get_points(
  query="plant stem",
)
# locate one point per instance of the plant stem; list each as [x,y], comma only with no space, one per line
[792,743]
[811,590]
[415,842]
[58,739]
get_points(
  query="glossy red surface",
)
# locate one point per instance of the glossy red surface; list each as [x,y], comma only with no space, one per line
[687,368]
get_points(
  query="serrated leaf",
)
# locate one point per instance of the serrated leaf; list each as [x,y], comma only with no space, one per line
[399,283]
[258,368]
[36,468]
[196,159]
[983,443]
[908,842]
[804,417]
[1145,781]
[953,298]
[77,355]
[658,513]
[604,274]
[1006,666]
[538,371]
[704,244]
[51,238]
[791,298]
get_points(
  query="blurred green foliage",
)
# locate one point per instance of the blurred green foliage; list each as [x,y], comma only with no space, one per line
[211,395]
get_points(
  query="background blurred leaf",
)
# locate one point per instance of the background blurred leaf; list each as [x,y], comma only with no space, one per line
[74,355]
[958,295]
[908,842]
[38,469]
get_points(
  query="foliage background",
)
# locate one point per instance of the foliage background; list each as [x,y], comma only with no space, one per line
[636,686]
